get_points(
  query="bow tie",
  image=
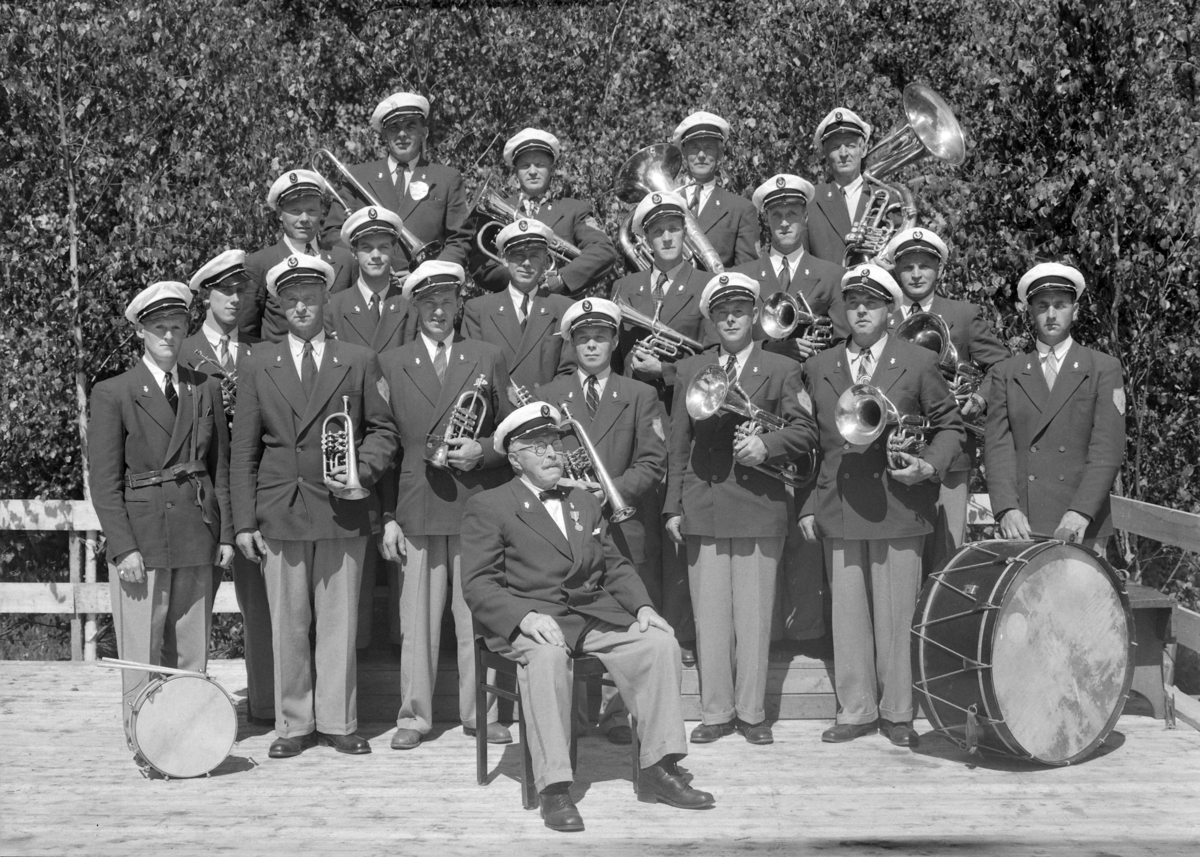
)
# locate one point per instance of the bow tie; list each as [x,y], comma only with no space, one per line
[552,494]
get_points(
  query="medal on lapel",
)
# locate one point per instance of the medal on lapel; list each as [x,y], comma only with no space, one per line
[575,518]
[418,190]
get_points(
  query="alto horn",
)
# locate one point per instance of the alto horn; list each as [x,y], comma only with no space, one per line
[862,414]
[929,330]
[712,391]
[593,466]
[653,169]
[663,341]
[787,316]
[338,451]
[418,251]
[465,421]
[928,129]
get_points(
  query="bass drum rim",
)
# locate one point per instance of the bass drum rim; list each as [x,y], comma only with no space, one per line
[146,695]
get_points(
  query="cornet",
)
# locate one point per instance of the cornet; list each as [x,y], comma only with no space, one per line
[337,450]
[664,342]
[711,391]
[465,421]
[228,379]
[786,316]
[589,468]
[863,412]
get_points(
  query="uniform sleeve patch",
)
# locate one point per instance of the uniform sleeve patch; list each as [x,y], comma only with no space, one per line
[1119,400]
[805,401]
[592,222]
[385,392]
[658,428]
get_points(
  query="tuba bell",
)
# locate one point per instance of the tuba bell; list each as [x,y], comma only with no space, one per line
[338,450]
[862,414]
[636,249]
[929,330]
[787,316]
[653,169]
[465,421]
[928,129]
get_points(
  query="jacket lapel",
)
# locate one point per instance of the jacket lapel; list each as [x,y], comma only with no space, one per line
[679,296]
[1075,368]
[840,378]
[408,204]
[572,515]
[420,369]
[395,308]
[611,406]
[534,515]
[536,327]
[379,182]
[460,377]
[282,371]
[183,418]
[1033,382]
[550,214]
[889,370]
[152,400]
[357,314]
[713,210]
[752,376]
[833,206]
[329,378]
[506,322]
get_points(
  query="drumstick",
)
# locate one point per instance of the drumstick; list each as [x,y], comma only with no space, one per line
[116,663]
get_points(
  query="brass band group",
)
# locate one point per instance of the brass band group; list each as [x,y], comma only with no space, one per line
[658,469]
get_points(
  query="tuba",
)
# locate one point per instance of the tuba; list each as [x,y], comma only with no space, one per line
[337,450]
[228,379]
[929,330]
[663,341]
[418,251]
[653,169]
[465,421]
[863,412]
[787,316]
[588,467]
[496,214]
[636,250]
[711,391]
[929,128]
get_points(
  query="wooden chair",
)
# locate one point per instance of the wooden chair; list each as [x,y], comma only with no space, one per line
[585,668]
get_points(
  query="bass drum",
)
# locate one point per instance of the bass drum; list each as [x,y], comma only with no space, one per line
[183,725]
[1024,648]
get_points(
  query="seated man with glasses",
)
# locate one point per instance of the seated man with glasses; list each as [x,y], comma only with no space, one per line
[543,577]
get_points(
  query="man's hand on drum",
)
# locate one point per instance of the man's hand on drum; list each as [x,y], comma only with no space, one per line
[1014,525]
[131,569]
[1072,527]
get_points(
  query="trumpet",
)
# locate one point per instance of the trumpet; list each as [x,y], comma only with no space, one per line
[663,341]
[711,391]
[465,421]
[587,466]
[337,450]
[928,128]
[787,316]
[418,251]
[863,412]
[929,330]
[228,379]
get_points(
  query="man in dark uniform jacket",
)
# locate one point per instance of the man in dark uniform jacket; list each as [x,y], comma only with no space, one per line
[1055,434]
[728,220]
[520,321]
[423,506]
[428,197]
[873,507]
[298,197]
[159,477]
[919,256]
[841,141]
[624,422]
[293,507]
[733,517]
[216,349]
[531,155]
[545,580]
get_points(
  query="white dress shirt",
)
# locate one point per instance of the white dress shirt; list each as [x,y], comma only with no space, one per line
[601,379]
[553,506]
[366,292]
[922,306]
[1060,353]
[853,193]
[214,339]
[402,171]
[431,346]
[706,191]
[160,377]
[741,357]
[517,296]
[296,344]
[856,356]
[309,249]
[793,260]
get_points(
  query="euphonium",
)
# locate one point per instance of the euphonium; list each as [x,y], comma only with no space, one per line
[499,214]
[663,341]
[929,330]
[465,421]
[654,169]
[863,412]
[337,450]
[228,379]
[711,391]
[787,316]
[929,128]
[593,470]
[419,251]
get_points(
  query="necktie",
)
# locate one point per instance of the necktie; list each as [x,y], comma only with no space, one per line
[731,368]
[660,286]
[694,205]
[401,179]
[524,310]
[552,494]
[785,273]
[592,394]
[172,396]
[864,367]
[913,309]
[375,307]
[439,361]
[1051,368]
[223,354]
[308,370]
[532,207]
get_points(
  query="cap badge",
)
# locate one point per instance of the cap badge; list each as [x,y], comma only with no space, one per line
[523,225]
[545,410]
[373,214]
[587,306]
[724,281]
[293,262]
[656,199]
[917,235]
[780,182]
[292,178]
[838,116]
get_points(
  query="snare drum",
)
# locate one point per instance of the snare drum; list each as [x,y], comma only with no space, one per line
[183,725]
[1024,648]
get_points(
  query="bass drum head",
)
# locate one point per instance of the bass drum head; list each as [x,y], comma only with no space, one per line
[1061,659]
[183,725]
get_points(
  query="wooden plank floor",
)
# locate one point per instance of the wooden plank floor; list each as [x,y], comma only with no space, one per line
[68,786]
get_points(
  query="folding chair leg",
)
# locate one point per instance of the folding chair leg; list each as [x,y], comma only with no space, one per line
[528,786]
[635,750]
[481,753]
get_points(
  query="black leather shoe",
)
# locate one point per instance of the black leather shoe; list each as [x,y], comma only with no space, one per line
[559,812]
[657,784]
[285,748]
[352,744]
[706,733]
[844,732]
[688,655]
[757,733]
[497,733]
[406,739]
[900,734]
[621,735]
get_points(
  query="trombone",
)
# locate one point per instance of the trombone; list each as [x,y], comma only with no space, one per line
[863,412]
[664,342]
[465,421]
[711,391]
[338,451]
[787,316]
[418,251]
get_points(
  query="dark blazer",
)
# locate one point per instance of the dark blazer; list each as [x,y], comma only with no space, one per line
[1051,451]
[730,223]
[680,312]
[854,497]
[532,356]
[829,222]
[423,499]
[818,280]
[347,318]
[629,433]
[260,313]
[716,496]
[515,560]
[196,349]
[133,431]
[275,469]
[975,342]
[571,220]
[441,215]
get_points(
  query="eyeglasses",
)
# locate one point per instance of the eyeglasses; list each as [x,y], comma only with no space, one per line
[539,448]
